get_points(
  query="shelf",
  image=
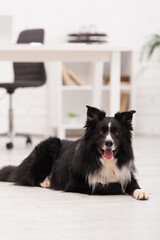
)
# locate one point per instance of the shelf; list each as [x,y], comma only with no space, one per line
[77,88]
[125,87]
[122,88]
[73,126]
[106,88]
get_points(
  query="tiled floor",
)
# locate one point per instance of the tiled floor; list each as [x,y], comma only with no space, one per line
[41,214]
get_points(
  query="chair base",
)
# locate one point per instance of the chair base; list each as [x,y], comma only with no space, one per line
[10,145]
[11,133]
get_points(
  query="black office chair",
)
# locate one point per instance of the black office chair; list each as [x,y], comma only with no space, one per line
[25,75]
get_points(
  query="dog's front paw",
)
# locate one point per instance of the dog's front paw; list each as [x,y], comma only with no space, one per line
[139,194]
[46,183]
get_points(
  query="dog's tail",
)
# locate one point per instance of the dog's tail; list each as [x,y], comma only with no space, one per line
[6,173]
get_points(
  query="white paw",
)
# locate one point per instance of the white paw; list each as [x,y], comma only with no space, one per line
[46,183]
[139,194]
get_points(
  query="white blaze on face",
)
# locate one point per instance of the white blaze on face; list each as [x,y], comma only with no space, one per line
[109,137]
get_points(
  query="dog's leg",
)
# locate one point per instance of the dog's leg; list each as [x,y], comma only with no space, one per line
[134,190]
[46,183]
[139,194]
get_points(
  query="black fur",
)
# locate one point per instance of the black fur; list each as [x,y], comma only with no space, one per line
[70,162]
[34,169]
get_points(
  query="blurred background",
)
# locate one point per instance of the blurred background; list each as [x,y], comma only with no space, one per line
[127,23]
[54,104]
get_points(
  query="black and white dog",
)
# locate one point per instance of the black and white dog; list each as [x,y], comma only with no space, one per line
[101,162]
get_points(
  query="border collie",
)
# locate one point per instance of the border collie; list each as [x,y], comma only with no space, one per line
[101,162]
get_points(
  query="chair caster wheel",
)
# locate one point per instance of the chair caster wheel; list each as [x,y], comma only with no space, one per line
[9,145]
[28,140]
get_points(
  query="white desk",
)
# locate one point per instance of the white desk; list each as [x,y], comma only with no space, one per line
[60,52]
[96,53]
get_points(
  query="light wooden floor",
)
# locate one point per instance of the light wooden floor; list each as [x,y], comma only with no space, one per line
[41,214]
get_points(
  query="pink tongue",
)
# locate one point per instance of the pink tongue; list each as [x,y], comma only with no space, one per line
[108,154]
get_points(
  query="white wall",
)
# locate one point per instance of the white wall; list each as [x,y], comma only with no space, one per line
[126,22]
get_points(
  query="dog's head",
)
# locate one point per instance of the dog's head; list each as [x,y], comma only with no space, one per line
[108,134]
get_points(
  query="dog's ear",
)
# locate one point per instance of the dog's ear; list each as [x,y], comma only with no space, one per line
[94,114]
[125,117]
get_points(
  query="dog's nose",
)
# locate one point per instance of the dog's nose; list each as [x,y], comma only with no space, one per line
[109,143]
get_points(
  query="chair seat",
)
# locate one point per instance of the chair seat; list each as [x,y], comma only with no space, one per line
[27,74]
[14,85]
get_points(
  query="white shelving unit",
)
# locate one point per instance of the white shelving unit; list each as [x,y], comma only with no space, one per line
[93,92]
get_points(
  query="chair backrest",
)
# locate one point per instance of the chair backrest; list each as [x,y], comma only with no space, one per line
[30,74]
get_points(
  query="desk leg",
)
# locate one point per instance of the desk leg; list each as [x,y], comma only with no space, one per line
[54,82]
[96,76]
[115,72]
[61,133]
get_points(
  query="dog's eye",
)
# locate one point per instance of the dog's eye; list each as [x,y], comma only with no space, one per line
[101,133]
[104,129]
[116,133]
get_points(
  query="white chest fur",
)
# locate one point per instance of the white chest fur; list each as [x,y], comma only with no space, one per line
[110,173]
